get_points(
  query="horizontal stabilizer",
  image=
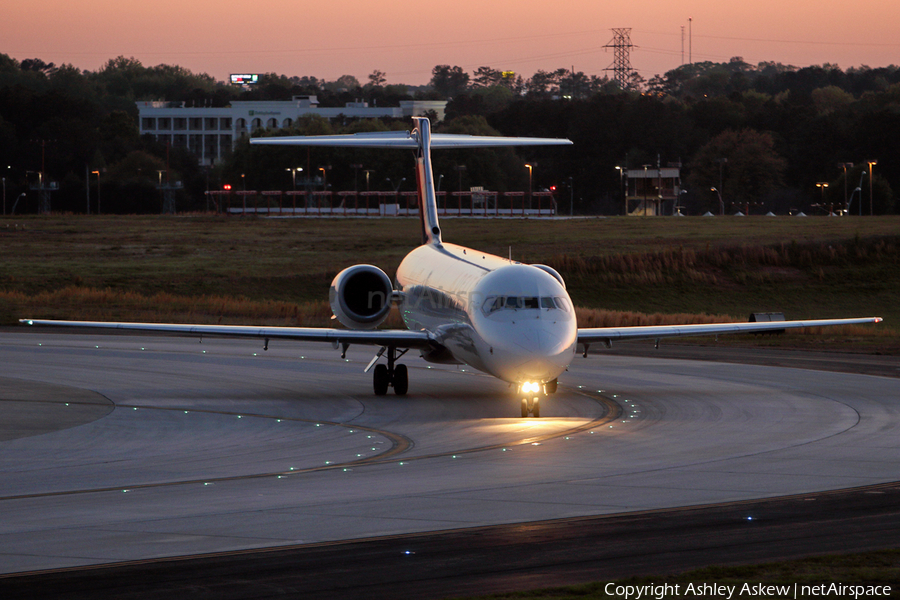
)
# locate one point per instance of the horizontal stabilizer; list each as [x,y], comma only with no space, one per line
[405,139]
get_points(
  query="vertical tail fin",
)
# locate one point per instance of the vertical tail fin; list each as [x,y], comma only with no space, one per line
[431,229]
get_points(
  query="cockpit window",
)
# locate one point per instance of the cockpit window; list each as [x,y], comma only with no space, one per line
[495,303]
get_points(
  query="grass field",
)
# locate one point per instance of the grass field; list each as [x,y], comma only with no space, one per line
[618,270]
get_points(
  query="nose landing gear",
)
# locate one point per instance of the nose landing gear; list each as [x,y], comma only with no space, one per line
[531,394]
[533,407]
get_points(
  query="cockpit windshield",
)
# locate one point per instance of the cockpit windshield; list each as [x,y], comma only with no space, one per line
[495,303]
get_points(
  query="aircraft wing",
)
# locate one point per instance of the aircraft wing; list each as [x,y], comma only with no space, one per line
[391,337]
[606,335]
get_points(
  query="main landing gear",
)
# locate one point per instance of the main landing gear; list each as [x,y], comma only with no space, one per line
[391,374]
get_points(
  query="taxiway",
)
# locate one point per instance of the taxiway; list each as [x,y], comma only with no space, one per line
[125,448]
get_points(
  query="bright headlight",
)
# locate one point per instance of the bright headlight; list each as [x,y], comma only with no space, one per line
[530,387]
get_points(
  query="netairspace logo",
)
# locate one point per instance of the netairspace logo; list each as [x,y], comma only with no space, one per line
[747,590]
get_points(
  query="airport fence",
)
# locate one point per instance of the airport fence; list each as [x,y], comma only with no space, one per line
[381,204]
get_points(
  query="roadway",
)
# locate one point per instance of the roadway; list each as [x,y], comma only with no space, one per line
[131,450]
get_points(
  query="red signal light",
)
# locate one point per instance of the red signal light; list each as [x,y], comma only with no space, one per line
[227,187]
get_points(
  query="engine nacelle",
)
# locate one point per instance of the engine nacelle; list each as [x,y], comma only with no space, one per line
[360,297]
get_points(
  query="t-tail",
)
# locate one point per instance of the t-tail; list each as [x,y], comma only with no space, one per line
[422,141]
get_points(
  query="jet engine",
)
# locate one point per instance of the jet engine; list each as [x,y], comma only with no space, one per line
[360,297]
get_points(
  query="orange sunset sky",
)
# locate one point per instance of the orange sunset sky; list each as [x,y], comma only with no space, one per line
[406,38]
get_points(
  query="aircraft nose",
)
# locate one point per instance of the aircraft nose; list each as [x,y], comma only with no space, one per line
[539,350]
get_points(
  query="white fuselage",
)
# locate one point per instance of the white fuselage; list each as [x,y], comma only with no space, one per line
[513,321]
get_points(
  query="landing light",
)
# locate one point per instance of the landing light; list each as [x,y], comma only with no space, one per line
[531,387]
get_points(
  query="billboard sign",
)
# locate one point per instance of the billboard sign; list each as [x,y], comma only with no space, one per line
[244,79]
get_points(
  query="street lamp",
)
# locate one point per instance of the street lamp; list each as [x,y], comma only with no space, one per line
[721,204]
[97,173]
[645,189]
[324,177]
[396,190]
[530,169]
[397,187]
[872,163]
[459,171]
[356,167]
[293,173]
[844,166]
[822,185]
[571,198]
[368,172]
[722,162]
[622,187]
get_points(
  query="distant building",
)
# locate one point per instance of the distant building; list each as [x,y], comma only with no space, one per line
[211,132]
[653,191]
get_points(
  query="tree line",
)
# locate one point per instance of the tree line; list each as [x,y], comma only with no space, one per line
[763,135]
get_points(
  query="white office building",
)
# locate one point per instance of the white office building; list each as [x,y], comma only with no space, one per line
[211,132]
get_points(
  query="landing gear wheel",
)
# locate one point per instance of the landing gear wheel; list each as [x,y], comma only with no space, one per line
[401,380]
[524,408]
[536,408]
[381,380]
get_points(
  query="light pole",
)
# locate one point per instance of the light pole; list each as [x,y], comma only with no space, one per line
[859,191]
[530,169]
[571,198]
[397,187]
[368,172]
[293,173]
[459,171]
[844,166]
[872,163]
[97,173]
[645,189]
[722,162]
[822,185]
[622,187]
[356,167]
[324,177]
[721,204]
[396,190]
[4,196]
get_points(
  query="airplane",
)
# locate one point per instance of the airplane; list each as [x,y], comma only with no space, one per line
[460,306]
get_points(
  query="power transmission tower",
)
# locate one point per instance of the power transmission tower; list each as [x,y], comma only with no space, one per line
[621,45]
